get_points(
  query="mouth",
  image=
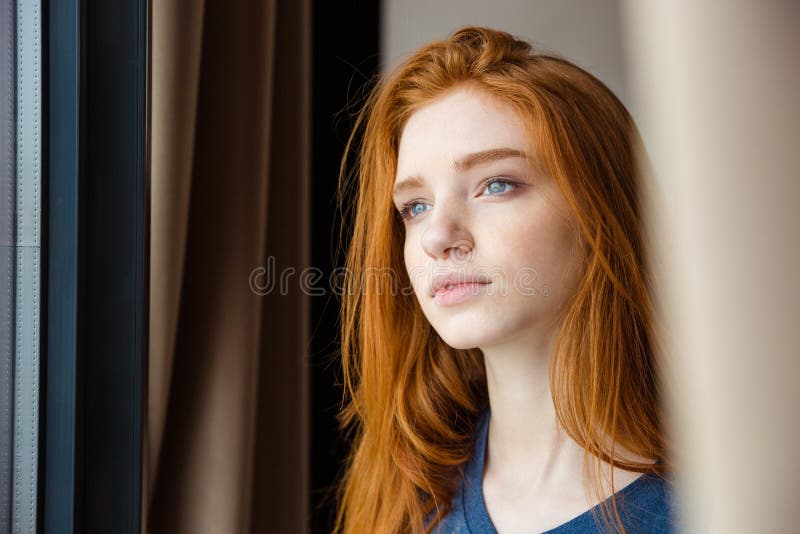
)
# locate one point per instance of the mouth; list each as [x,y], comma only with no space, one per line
[454,293]
[446,282]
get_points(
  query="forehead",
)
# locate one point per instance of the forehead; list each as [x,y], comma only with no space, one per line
[463,120]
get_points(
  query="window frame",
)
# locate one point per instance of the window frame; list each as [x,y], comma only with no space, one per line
[95,264]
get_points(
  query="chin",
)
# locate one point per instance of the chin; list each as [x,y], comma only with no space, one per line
[462,340]
[467,329]
[481,330]
[458,344]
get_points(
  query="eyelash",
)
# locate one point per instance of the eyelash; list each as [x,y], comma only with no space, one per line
[404,211]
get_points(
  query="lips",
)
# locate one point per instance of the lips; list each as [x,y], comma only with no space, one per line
[447,281]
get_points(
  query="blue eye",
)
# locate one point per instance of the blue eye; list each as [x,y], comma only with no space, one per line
[409,209]
[495,186]
[491,186]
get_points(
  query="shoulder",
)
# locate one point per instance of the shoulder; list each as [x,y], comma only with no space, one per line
[456,520]
[652,508]
[451,524]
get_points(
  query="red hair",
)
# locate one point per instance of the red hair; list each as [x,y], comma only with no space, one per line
[412,401]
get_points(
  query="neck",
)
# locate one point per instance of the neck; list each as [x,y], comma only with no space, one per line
[524,440]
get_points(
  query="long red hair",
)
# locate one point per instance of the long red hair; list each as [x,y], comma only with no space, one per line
[411,401]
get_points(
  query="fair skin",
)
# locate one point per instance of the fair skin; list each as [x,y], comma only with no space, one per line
[458,222]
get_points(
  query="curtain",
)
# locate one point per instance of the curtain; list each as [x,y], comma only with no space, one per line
[226,444]
[717,92]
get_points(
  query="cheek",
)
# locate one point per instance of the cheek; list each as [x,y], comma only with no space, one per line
[413,266]
[407,258]
[545,248]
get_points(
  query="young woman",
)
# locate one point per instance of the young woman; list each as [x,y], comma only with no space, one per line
[498,337]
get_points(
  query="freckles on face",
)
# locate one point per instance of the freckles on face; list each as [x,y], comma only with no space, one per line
[474,205]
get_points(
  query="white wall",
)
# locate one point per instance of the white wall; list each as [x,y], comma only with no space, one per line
[585,32]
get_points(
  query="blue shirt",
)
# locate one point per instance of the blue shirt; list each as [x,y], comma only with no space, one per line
[645,505]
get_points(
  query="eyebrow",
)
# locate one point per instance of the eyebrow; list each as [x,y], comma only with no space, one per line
[463,164]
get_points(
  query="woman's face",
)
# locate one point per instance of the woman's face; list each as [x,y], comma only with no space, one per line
[479,211]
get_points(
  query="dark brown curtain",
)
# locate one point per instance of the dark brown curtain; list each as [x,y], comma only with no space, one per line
[227,423]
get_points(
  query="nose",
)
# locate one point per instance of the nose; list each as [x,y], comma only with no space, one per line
[446,234]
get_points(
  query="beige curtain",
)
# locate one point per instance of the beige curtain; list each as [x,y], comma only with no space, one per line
[226,444]
[716,85]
